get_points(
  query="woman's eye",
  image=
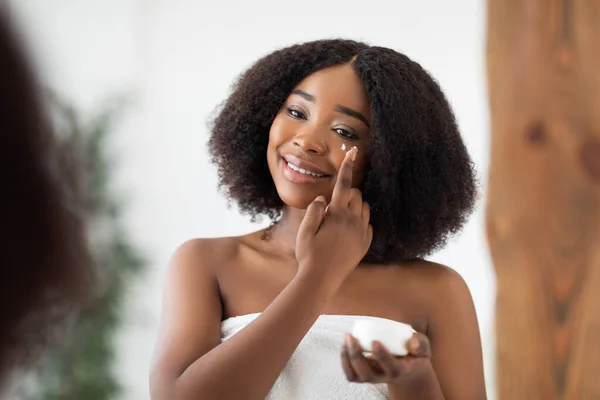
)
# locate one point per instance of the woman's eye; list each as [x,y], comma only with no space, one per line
[295,113]
[346,134]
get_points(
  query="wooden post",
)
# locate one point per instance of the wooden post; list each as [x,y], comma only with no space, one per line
[543,210]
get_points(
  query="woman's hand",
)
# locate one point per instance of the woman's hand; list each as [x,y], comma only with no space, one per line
[333,239]
[383,367]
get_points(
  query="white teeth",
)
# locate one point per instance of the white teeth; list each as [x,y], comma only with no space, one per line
[303,171]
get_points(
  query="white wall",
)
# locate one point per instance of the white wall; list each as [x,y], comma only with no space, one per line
[179,58]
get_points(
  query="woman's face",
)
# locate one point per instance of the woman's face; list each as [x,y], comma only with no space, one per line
[325,115]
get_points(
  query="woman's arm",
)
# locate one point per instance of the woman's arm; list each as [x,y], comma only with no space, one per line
[455,369]
[192,363]
[453,331]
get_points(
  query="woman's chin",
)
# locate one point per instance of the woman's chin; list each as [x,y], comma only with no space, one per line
[298,205]
[297,202]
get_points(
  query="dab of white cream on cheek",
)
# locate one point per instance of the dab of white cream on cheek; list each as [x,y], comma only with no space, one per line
[343,146]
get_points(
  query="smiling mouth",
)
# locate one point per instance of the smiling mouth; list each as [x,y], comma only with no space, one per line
[302,171]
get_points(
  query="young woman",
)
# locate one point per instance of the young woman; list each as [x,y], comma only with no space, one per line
[355,155]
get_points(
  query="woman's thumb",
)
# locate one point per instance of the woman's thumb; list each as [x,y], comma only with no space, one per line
[314,215]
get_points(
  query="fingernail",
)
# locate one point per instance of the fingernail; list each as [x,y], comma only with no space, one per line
[376,347]
[320,198]
[354,153]
[348,341]
[413,345]
[352,345]
[344,349]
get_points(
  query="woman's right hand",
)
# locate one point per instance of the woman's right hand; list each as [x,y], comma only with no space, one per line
[332,240]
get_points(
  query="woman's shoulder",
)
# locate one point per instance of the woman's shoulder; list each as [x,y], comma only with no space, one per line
[434,274]
[427,283]
[430,274]
[215,251]
[208,247]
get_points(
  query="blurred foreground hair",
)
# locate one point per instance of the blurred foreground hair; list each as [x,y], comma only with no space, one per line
[45,262]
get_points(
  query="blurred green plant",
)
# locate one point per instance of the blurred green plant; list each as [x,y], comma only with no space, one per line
[81,366]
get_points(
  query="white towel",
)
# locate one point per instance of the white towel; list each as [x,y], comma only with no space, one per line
[314,372]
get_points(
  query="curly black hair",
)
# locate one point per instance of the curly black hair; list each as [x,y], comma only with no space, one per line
[420,180]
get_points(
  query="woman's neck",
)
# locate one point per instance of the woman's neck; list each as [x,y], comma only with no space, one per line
[285,231]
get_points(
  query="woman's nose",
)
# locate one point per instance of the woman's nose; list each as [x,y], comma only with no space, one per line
[310,140]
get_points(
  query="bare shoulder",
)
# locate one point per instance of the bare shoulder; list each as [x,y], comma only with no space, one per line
[430,288]
[193,269]
[443,285]
[438,276]
[208,247]
[446,294]
[192,310]
[426,276]
[206,252]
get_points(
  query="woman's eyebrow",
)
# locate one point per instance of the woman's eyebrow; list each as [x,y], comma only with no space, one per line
[344,110]
[352,113]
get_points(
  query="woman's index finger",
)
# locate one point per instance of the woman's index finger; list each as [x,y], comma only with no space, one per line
[343,183]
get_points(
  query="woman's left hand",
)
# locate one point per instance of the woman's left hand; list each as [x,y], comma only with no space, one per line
[383,367]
